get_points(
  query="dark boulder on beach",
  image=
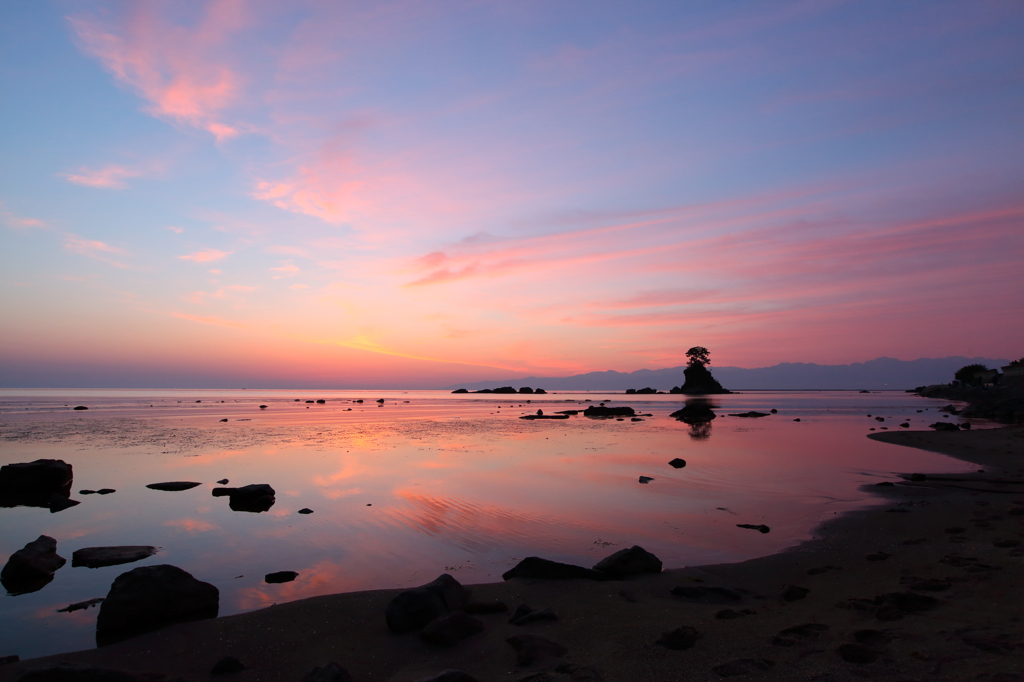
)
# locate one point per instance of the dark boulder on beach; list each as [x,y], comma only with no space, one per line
[750,415]
[414,608]
[944,426]
[531,649]
[173,486]
[545,569]
[708,595]
[524,615]
[306,510]
[476,607]
[633,561]
[680,639]
[97,557]
[677,463]
[227,665]
[332,672]
[794,593]
[65,672]
[602,411]
[451,628]
[150,597]
[31,568]
[758,527]
[42,483]
[255,498]
[449,675]
[79,407]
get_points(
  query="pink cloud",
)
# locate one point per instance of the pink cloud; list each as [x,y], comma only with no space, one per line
[109,177]
[177,69]
[206,256]
[210,320]
[92,248]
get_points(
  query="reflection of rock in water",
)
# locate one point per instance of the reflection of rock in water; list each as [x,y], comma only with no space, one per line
[701,431]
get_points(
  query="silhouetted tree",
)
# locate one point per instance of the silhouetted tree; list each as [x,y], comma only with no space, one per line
[698,355]
[966,373]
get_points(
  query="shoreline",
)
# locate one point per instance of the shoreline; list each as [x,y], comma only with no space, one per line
[974,630]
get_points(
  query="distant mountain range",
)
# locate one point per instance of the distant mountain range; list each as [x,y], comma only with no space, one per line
[878,374]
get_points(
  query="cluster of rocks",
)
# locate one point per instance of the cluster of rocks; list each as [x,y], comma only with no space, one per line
[1003,404]
[504,389]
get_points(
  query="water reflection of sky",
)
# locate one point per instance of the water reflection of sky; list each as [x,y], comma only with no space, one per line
[406,491]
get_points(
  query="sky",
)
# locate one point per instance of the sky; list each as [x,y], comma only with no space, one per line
[402,194]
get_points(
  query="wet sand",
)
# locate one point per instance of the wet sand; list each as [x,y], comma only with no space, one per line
[949,538]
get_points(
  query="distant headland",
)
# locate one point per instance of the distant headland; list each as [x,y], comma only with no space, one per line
[876,375]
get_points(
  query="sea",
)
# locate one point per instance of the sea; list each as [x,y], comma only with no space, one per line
[407,485]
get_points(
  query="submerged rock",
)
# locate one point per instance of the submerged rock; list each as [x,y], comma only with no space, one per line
[80,605]
[758,527]
[414,608]
[750,415]
[31,568]
[150,597]
[97,557]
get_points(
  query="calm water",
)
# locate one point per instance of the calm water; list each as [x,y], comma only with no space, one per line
[429,482]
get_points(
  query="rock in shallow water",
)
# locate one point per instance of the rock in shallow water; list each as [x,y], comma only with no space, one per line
[150,597]
[97,557]
[255,498]
[42,483]
[280,577]
[31,568]
[173,486]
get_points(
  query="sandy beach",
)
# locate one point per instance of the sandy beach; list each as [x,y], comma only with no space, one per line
[926,586]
